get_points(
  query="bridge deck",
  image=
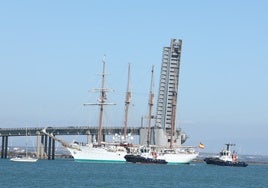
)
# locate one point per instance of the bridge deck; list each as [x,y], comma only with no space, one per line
[79,130]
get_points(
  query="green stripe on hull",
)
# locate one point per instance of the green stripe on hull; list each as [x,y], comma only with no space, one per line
[98,161]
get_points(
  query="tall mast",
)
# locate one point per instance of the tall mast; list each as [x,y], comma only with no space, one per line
[127,102]
[101,100]
[150,103]
[228,146]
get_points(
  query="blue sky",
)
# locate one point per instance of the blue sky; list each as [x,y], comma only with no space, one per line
[51,52]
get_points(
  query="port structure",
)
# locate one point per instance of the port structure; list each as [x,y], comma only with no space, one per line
[168,85]
[45,146]
[164,131]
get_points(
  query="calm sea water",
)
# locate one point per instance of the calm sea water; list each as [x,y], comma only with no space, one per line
[67,173]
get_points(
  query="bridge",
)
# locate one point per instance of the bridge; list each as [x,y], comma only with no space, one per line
[46,145]
[78,130]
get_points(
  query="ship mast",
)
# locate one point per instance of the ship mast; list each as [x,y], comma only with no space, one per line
[150,103]
[101,100]
[228,146]
[127,102]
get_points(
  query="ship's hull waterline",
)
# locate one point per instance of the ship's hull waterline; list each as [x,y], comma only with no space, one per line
[97,155]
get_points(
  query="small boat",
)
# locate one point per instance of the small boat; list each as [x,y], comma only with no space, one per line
[226,158]
[25,158]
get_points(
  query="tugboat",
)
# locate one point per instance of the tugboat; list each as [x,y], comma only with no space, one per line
[143,160]
[145,155]
[226,158]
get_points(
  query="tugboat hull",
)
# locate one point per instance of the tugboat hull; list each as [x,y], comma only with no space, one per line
[144,160]
[217,161]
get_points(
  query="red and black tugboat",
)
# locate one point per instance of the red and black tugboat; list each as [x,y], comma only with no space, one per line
[226,158]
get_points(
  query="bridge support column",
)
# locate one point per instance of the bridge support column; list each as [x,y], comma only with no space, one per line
[4,147]
[45,149]
[53,149]
[40,146]
[94,138]
[42,151]
[103,137]
[49,149]
[89,139]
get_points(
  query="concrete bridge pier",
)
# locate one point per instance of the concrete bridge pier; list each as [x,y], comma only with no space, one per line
[44,141]
[89,137]
[40,149]
[103,137]
[45,147]
[51,149]
[4,147]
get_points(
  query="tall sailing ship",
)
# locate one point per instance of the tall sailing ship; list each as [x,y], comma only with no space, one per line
[100,151]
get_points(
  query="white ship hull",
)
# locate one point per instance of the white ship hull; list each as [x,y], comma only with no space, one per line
[178,158]
[88,153]
[23,159]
